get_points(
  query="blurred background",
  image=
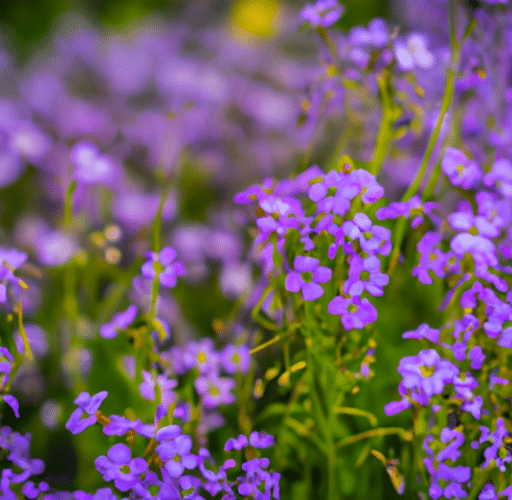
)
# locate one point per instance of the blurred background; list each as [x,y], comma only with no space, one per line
[27,23]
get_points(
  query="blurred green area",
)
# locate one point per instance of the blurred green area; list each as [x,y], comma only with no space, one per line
[26,24]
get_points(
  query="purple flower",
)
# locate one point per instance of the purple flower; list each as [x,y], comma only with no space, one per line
[6,363]
[311,290]
[119,321]
[236,443]
[88,404]
[120,467]
[453,477]
[431,259]
[423,332]
[355,312]
[372,239]
[215,390]
[165,265]
[413,208]
[261,440]
[481,249]
[323,13]
[30,490]
[91,167]
[121,425]
[477,357]
[235,358]
[488,493]
[364,274]
[465,220]
[425,375]
[413,53]
[175,453]
[460,170]
[201,355]
[165,386]
[501,177]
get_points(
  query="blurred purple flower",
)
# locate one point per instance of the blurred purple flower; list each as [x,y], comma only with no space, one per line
[119,321]
[235,358]
[460,170]
[215,390]
[165,385]
[323,13]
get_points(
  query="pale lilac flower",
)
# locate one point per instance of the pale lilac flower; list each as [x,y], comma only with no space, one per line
[412,52]
[235,358]
[215,390]
[460,170]
[91,167]
[323,13]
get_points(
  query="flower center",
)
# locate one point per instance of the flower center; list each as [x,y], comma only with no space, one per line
[214,390]
[427,371]
[125,469]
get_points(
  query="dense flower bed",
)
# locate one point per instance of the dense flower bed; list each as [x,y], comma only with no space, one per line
[234,267]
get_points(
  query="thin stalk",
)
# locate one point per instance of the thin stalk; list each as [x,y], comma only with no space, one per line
[322,420]
[386,125]
[455,48]
[385,431]
[68,204]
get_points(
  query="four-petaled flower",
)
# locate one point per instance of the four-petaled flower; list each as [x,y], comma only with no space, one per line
[164,265]
[119,466]
[311,290]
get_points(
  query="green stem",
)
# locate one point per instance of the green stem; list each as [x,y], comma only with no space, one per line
[22,332]
[405,435]
[386,125]
[68,205]
[455,48]
[323,421]
[357,412]
[157,225]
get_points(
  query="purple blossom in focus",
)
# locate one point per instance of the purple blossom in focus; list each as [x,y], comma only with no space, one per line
[315,273]
[165,265]
[355,312]
[120,467]
[88,404]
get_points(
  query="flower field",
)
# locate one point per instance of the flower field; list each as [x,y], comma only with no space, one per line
[259,251]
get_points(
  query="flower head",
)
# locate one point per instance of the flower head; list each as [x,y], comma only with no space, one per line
[323,13]
[119,466]
[315,274]
[165,265]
